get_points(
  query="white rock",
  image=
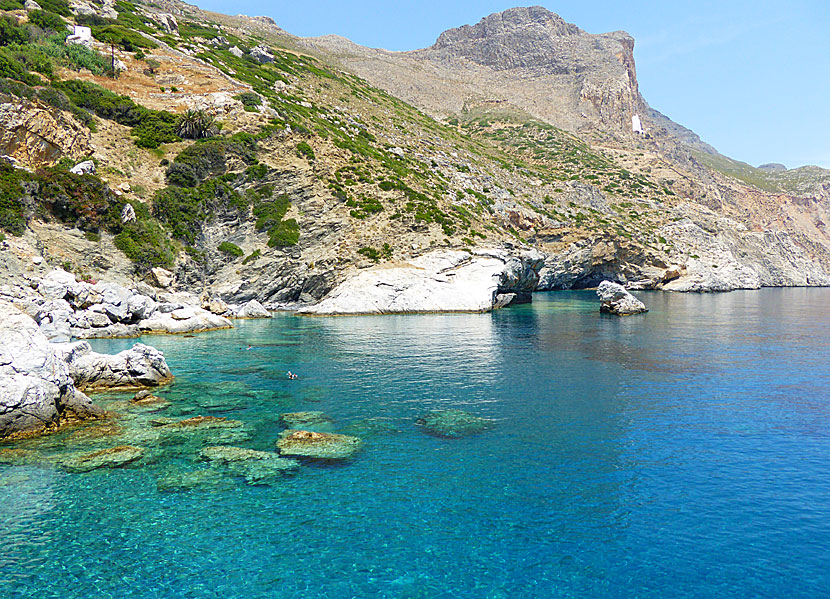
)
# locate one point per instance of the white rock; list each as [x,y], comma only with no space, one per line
[253,309]
[36,389]
[441,281]
[163,277]
[138,367]
[262,54]
[617,300]
[31,5]
[201,321]
[87,167]
[236,52]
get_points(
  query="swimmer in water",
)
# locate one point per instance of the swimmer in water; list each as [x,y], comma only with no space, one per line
[291,375]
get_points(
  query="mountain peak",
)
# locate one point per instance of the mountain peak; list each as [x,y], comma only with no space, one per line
[532,21]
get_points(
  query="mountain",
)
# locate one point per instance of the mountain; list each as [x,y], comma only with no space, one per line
[254,164]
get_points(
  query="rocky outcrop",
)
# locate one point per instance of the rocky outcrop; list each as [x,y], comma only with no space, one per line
[36,134]
[65,307]
[113,457]
[616,300]
[253,309]
[440,281]
[136,368]
[36,388]
[454,424]
[317,446]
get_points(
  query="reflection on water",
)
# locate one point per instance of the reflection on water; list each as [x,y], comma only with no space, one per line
[681,453]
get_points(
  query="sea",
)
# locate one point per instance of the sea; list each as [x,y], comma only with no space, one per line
[682,453]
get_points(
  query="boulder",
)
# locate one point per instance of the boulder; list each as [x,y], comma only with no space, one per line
[140,307]
[216,306]
[317,446]
[136,368]
[440,281]
[36,389]
[257,467]
[298,420]
[617,300]
[87,167]
[168,22]
[236,51]
[200,321]
[262,54]
[56,284]
[454,424]
[31,5]
[253,309]
[113,457]
[127,213]
[163,277]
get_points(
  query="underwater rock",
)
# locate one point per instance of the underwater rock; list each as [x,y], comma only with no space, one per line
[181,480]
[145,398]
[113,457]
[372,426]
[617,300]
[257,467]
[201,429]
[454,424]
[304,419]
[320,446]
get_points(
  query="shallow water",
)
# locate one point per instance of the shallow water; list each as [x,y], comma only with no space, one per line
[683,453]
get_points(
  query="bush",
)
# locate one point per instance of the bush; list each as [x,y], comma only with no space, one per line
[209,159]
[269,215]
[185,209]
[145,243]
[231,249]
[125,39]
[252,257]
[305,150]
[196,124]
[48,21]
[151,127]
[11,32]
[250,101]
[370,252]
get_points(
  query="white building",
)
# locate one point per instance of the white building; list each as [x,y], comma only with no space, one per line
[637,125]
[80,35]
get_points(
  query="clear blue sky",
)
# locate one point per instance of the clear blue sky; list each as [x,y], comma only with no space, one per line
[751,77]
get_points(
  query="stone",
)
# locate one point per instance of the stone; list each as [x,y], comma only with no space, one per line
[140,307]
[236,51]
[299,420]
[617,300]
[440,281]
[202,320]
[174,481]
[454,424]
[257,467]
[168,22]
[262,54]
[87,167]
[127,213]
[253,309]
[317,446]
[183,314]
[36,389]
[162,276]
[56,284]
[31,5]
[216,306]
[136,368]
[113,457]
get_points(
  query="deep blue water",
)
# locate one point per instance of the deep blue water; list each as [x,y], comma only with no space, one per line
[683,453]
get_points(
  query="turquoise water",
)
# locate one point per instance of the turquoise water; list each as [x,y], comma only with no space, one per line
[683,453]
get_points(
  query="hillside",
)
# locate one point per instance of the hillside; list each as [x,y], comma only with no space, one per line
[255,164]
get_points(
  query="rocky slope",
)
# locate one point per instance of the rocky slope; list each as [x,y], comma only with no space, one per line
[325,162]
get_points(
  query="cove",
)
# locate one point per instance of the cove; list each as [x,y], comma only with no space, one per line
[680,453]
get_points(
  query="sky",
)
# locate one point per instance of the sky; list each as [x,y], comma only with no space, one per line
[751,77]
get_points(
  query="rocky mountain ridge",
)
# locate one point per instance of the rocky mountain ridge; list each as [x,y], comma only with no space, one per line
[513,134]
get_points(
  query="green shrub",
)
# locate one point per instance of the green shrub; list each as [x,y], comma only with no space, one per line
[305,150]
[370,252]
[269,215]
[122,37]
[145,243]
[250,101]
[48,21]
[231,249]
[11,32]
[185,209]
[252,257]
[196,124]
[92,236]
[59,7]
[209,159]
[151,127]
